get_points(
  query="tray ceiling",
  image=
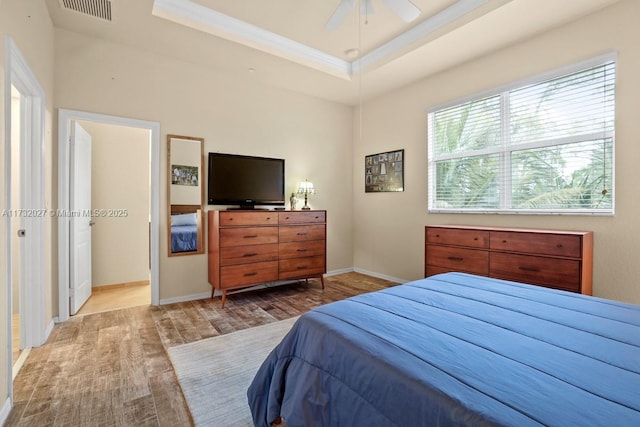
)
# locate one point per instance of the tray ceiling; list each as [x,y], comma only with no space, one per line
[284,42]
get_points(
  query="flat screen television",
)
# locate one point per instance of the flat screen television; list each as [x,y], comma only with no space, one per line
[245,181]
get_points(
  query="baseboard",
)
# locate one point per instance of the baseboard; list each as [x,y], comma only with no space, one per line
[107,287]
[185,298]
[380,276]
[340,271]
[6,410]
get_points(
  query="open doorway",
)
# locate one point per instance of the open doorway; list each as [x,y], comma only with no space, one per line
[65,118]
[120,202]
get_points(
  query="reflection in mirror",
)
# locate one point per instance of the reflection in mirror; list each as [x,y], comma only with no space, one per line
[185,195]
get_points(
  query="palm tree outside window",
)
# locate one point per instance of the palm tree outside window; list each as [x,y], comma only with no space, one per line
[544,146]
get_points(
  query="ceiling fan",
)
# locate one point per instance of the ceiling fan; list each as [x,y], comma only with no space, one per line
[406,10]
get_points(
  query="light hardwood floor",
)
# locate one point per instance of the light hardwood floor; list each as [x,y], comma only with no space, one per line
[107,298]
[111,368]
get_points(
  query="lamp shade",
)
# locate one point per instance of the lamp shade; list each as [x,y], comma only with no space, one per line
[306,187]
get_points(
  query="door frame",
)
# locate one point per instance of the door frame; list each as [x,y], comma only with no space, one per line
[32,124]
[64,118]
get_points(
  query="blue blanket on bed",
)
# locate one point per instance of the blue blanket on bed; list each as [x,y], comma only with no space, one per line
[184,238]
[456,350]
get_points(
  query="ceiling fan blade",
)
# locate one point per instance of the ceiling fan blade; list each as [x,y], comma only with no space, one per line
[406,10]
[339,14]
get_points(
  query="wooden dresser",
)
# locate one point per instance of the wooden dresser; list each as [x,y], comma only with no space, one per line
[551,258]
[247,248]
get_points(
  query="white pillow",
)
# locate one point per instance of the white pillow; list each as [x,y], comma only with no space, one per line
[184,219]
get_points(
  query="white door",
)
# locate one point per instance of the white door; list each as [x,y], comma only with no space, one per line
[81,220]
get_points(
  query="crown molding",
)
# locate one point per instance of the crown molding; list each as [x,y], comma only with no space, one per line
[202,18]
[199,17]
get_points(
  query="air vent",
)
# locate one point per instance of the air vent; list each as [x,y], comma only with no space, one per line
[100,9]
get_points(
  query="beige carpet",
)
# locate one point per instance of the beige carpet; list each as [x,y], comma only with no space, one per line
[215,373]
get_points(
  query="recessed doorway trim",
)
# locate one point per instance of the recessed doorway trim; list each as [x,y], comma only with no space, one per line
[19,75]
[64,118]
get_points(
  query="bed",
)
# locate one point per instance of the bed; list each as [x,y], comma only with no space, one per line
[456,350]
[184,232]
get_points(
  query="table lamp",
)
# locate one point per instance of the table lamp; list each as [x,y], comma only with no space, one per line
[305,188]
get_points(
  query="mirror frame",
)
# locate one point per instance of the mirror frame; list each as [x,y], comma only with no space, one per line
[186,208]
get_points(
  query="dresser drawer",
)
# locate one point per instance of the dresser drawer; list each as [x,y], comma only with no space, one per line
[302,249]
[300,233]
[551,272]
[230,218]
[458,259]
[301,267]
[302,217]
[458,237]
[565,245]
[232,255]
[247,274]
[242,236]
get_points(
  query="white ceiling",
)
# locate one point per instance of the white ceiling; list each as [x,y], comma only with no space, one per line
[284,43]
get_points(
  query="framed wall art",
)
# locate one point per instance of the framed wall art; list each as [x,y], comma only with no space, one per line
[384,172]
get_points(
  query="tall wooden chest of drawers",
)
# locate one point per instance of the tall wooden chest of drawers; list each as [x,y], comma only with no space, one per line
[247,248]
[551,258]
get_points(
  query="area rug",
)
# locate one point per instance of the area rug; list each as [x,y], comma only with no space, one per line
[215,373]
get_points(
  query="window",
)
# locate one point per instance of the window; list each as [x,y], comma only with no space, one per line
[541,147]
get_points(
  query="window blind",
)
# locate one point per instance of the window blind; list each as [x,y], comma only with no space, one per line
[543,147]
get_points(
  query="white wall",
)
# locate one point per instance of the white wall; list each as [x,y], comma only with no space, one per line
[120,181]
[389,228]
[233,113]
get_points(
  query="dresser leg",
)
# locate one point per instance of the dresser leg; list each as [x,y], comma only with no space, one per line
[224,297]
[322,281]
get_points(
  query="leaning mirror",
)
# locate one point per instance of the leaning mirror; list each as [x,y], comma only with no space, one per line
[185,195]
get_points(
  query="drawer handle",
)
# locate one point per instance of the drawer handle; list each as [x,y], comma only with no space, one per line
[253,273]
[286,217]
[250,236]
[475,238]
[302,234]
[250,255]
[533,269]
[504,241]
[455,258]
[559,245]
[303,250]
[302,267]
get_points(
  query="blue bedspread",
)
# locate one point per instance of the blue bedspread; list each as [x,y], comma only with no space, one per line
[184,238]
[456,350]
